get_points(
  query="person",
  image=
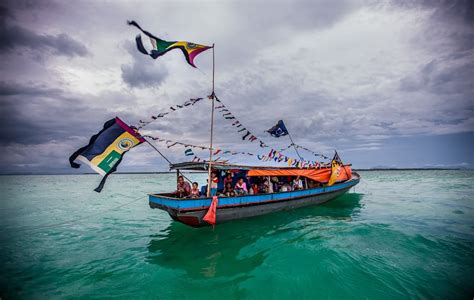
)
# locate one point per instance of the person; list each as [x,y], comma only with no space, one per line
[214,183]
[241,187]
[195,190]
[253,189]
[275,183]
[228,179]
[268,186]
[183,189]
[297,183]
[228,190]
[285,187]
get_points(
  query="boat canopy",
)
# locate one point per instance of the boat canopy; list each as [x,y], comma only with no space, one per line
[203,166]
[320,175]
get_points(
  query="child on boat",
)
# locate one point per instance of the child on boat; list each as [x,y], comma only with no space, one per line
[228,190]
[253,189]
[214,183]
[195,190]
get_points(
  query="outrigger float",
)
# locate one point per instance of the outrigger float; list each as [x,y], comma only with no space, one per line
[191,211]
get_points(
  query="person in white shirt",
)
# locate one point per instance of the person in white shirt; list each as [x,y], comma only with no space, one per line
[297,183]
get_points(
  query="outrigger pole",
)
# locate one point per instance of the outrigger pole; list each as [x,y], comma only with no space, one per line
[212,97]
[162,155]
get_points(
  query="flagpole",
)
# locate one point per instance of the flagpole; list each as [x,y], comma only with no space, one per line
[212,96]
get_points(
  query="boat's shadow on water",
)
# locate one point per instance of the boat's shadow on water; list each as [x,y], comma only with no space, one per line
[228,249]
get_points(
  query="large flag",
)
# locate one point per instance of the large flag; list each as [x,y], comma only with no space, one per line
[106,149]
[336,166]
[160,47]
[278,130]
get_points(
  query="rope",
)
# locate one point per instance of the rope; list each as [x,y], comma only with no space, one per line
[20,229]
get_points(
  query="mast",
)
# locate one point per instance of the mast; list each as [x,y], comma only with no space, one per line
[212,97]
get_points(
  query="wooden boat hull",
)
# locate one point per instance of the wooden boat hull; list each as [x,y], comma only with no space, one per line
[192,211]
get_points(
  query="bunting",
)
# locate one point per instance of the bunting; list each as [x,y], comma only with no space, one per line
[306,149]
[274,155]
[171,109]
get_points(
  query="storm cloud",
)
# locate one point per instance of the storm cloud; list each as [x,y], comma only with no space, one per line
[17,38]
[362,77]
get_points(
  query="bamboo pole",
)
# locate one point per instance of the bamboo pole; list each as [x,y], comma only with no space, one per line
[212,96]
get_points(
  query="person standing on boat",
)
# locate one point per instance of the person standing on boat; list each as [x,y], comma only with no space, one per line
[183,188]
[214,183]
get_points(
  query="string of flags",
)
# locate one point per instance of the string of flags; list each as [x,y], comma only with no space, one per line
[249,136]
[171,109]
[304,148]
[273,155]
[241,129]
[188,151]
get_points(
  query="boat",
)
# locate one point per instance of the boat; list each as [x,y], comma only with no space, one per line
[191,211]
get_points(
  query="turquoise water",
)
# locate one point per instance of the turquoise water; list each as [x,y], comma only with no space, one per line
[399,234]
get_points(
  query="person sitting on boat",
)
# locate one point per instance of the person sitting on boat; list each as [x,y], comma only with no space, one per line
[267,186]
[253,189]
[286,188]
[183,188]
[228,190]
[241,187]
[195,190]
[228,179]
[214,183]
[297,183]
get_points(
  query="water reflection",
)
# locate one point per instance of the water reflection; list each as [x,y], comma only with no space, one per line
[236,248]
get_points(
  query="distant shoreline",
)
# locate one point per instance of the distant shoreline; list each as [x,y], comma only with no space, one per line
[200,172]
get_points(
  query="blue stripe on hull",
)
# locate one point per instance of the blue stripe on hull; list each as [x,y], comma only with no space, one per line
[245,200]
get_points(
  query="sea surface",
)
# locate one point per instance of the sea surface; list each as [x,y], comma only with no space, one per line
[397,235]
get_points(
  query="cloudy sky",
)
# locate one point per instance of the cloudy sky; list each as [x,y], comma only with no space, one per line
[387,83]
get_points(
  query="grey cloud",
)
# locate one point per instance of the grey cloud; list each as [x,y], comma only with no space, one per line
[37,114]
[142,72]
[10,89]
[15,38]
